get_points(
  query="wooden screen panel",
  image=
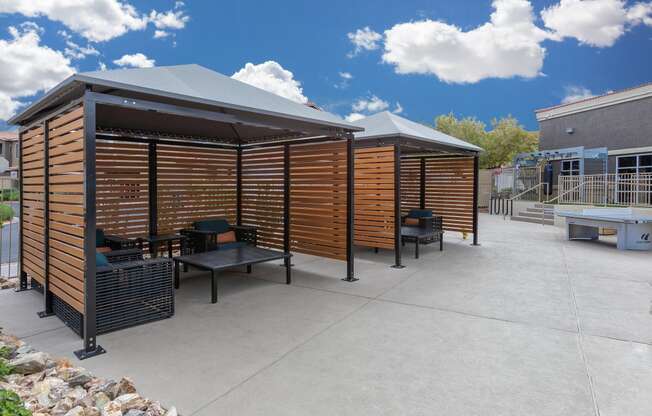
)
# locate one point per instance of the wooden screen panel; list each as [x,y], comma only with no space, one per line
[33,236]
[318,199]
[263,193]
[122,192]
[194,183]
[410,184]
[375,197]
[66,206]
[449,191]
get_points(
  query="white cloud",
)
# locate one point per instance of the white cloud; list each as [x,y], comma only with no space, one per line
[97,20]
[509,45]
[172,19]
[354,117]
[576,93]
[364,39]
[136,60]
[372,104]
[346,75]
[27,67]
[272,77]
[345,80]
[160,34]
[398,109]
[73,50]
[596,23]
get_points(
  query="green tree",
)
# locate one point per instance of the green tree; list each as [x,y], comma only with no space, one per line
[505,140]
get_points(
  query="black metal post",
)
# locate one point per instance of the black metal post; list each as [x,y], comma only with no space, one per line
[286,204]
[476,172]
[91,348]
[238,185]
[350,185]
[397,207]
[422,184]
[22,284]
[153,189]
[47,294]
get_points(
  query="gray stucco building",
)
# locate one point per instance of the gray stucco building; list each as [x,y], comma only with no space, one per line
[621,121]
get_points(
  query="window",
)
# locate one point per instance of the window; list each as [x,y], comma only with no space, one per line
[637,164]
[570,167]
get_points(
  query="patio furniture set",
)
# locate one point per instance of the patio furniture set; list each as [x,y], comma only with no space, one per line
[119,166]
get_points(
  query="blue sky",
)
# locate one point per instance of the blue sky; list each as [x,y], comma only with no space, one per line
[451,56]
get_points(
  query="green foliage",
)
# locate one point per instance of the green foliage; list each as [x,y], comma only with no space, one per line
[5,369]
[5,352]
[6,213]
[10,405]
[505,140]
[9,195]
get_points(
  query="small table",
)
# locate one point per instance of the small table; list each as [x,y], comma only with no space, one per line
[155,240]
[418,234]
[217,260]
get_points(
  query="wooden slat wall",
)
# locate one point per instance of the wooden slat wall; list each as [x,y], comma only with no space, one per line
[122,188]
[33,168]
[262,194]
[194,183]
[318,199]
[374,197]
[410,184]
[66,182]
[449,191]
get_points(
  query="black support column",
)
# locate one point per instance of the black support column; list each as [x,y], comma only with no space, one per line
[350,207]
[476,171]
[422,184]
[22,284]
[47,294]
[91,348]
[238,187]
[286,203]
[153,189]
[397,207]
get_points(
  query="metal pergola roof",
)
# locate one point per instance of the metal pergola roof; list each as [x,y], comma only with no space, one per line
[229,109]
[386,125]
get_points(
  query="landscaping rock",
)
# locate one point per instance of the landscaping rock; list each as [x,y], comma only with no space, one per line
[76,411]
[131,401]
[29,363]
[125,386]
[112,409]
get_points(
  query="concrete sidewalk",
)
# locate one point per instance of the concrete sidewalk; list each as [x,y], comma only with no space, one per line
[526,324]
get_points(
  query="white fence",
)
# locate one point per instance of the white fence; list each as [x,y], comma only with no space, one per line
[610,189]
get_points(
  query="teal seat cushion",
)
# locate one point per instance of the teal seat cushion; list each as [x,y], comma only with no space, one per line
[420,213]
[101,260]
[99,238]
[217,225]
[228,246]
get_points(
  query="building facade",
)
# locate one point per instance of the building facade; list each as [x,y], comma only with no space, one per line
[620,121]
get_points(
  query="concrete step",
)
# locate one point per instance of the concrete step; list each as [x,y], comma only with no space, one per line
[533,220]
[540,210]
[547,206]
[536,215]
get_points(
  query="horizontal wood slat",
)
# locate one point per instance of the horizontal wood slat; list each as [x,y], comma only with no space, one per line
[374,197]
[449,191]
[33,168]
[194,183]
[66,184]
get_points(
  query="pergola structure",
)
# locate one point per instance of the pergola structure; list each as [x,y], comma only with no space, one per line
[147,151]
[402,165]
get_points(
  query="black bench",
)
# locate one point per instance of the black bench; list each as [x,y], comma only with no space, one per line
[420,235]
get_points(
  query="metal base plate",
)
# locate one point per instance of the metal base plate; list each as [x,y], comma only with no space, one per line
[350,279]
[83,354]
[44,314]
[398,266]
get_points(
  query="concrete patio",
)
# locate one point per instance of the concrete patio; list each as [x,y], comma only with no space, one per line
[526,324]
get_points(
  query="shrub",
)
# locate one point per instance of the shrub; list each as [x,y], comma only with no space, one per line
[5,370]
[9,195]
[10,405]
[6,213]
[5,352]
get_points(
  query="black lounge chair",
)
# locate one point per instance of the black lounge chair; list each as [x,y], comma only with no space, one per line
[204,235]
[422,227]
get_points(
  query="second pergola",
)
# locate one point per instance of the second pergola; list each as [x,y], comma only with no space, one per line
[402,165]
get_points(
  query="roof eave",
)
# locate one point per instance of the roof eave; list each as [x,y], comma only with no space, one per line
[40,103]
[470,148]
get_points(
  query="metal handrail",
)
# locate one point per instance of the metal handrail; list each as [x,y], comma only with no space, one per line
[517,196]
[565,193]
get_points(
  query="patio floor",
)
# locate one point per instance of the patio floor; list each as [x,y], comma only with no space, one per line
[526,324]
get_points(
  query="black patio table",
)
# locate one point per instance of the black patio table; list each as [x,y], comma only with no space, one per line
[217,260]
[418,234]
[155,240]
